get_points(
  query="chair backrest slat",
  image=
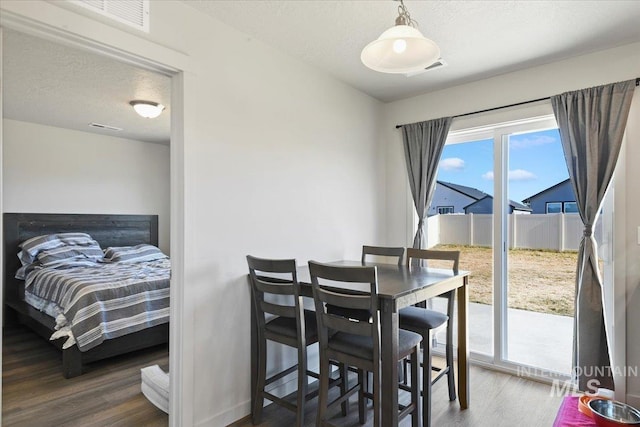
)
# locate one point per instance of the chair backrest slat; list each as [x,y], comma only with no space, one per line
[330,293]
[280,287]
[427,254]
[430,254]
[362,302]
[271,265]
[395,252]
[276,277]
[278,309]
[339,323]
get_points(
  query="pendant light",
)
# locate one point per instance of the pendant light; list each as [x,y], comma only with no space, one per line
[400,49]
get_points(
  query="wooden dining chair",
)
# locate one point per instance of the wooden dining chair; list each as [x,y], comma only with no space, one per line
[368,251]
[356,342]
[385,251]
[424,322]
[284,322]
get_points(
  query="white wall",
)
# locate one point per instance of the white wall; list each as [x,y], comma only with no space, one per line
[283,163]
[280,160]
[603,67]
[630,232]
[54,170]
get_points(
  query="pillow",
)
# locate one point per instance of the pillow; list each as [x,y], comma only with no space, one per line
[32,247]
[24,271]
[138,253]
[70,255]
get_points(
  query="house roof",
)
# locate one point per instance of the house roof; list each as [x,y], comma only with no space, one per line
[474,193]
[528,199]
[519,206]
[515,205]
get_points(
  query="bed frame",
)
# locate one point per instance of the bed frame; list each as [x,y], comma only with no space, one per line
[108,230]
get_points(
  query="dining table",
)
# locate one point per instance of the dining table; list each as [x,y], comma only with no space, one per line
[399,287]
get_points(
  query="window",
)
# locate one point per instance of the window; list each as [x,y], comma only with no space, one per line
[442,210]
[554,207]
[570,207]
[564,207]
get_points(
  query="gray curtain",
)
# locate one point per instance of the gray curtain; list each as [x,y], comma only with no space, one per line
[423,144]
[592,122]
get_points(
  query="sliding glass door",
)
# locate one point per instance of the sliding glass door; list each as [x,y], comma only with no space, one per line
[542,234]
[461,218]
[504,200]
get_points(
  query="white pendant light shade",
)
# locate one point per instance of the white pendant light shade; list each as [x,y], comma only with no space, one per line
[401,49]
[147,109]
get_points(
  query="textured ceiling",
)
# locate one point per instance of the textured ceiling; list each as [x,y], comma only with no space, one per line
[478,39]
[55,85]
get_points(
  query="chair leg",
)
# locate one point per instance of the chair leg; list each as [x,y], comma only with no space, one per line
[323,395]
[258,401]
[426,381]
[362,407]
[415,388]
[449,358]
[302,385]
[344,387]
[376,399]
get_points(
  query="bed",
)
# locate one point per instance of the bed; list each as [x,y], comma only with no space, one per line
[108,231]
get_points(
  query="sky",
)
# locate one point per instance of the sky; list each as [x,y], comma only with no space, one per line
[536,162]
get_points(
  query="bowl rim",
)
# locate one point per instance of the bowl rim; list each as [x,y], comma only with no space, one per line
[614,402]
[583,404]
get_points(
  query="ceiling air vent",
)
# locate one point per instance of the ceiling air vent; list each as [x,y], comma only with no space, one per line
[438,64]
[131,12]
[105,127]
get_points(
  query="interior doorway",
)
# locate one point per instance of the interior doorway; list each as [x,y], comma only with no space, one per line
[174,83]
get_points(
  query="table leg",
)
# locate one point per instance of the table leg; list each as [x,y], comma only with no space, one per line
[389,357]
[463,344]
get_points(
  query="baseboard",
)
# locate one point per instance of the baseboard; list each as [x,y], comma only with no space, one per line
[284,386]
[232,415]
[241,421]
[228,416]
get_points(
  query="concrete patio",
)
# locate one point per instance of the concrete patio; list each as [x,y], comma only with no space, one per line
[539,340]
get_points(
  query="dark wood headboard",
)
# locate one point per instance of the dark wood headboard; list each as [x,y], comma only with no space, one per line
[108,230]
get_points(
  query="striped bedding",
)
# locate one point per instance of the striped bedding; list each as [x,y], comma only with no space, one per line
[104,301]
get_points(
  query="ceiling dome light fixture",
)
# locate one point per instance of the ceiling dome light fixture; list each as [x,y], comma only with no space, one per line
[147,109]
[400,49]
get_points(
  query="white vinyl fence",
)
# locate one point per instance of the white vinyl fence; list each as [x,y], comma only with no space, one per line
[560,232]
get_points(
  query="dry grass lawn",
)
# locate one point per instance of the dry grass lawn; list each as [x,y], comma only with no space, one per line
[539,280]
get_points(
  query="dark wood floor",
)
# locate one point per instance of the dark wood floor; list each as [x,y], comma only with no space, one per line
[34,393]
[497,400]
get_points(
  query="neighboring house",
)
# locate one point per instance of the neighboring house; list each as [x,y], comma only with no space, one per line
[555,199]
[451,198]
[485,206]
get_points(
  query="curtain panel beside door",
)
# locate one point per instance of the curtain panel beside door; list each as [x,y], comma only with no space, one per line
[592,123]
[423,144]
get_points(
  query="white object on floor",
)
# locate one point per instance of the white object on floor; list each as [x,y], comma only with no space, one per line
[155,386]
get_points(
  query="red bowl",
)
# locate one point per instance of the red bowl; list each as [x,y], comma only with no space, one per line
[583,405]
[609,413]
